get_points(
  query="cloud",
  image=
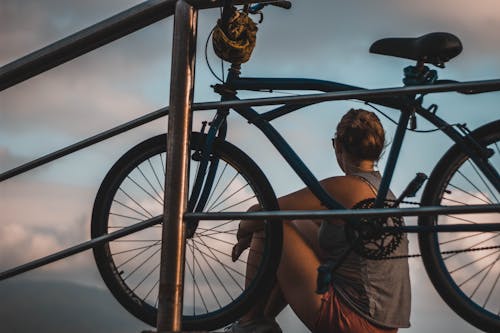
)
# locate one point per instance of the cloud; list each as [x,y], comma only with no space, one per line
[39,219]
[8,159]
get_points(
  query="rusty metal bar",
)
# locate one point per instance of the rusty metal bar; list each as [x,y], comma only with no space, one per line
[79,248]
[84,144]
[177,178]
[289,215]
[93,37]
[85,41]
[324,214]
[361,94]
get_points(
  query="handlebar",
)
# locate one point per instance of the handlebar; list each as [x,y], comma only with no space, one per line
[282,4]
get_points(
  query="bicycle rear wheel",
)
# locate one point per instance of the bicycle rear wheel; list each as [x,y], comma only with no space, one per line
[215,288]
[468,281]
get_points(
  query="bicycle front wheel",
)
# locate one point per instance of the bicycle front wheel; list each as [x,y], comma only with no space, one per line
[465,266]
[216,289]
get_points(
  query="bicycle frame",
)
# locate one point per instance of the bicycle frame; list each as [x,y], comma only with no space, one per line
[407,105]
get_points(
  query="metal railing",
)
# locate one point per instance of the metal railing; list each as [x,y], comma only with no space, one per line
[179,111]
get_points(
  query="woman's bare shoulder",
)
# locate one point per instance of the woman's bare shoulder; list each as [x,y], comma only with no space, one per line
[348,190]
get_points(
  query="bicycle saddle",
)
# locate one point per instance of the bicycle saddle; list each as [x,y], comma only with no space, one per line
[435,48]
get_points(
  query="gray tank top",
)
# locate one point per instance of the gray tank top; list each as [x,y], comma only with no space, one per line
[378,290]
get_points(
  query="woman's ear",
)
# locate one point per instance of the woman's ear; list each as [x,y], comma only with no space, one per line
[339,154]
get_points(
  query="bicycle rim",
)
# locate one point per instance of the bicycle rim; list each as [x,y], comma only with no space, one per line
[215,288]
[468,281]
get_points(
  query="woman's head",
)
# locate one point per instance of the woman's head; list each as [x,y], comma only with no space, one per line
[361,135]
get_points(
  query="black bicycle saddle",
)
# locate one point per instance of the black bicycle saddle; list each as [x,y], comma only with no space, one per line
[435,48]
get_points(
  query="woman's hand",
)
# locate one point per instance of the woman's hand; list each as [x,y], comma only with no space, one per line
[244,235]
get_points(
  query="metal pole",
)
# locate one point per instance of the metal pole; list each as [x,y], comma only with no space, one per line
[176,181]
[79,248]
[345,213]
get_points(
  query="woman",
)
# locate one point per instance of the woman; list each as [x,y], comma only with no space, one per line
[365,295]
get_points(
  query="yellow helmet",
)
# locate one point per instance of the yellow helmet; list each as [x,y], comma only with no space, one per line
[235,41]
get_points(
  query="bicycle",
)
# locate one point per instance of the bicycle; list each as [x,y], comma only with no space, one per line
[224,178]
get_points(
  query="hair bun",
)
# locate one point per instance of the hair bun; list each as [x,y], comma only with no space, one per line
[361,134]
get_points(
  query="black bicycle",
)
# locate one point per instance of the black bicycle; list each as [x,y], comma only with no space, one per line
[463,266]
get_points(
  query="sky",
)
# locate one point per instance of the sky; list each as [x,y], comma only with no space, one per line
[49,208]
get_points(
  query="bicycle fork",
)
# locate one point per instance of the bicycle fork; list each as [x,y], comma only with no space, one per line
[207,169]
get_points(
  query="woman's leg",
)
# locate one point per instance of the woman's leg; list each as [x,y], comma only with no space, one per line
[297,272]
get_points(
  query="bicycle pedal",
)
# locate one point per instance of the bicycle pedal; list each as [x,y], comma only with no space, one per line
[412,188]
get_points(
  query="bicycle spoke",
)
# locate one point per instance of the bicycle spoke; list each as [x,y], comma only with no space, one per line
[193,275]
[483,180]
[125,226]
[220,201]
[135,240]
[216,276]
[473,262]
[210,208]
[160,184]
[460,238]
[159,196]
[126,217]
[484,277]
[217,184]
[133,249]
[468,180]
[204,230]
[215,227]
[470,194]
[232,233]
[219,240]
[472,246]
[142,264]
[229,197]
[455,201]
[488,267]
[197,288]
[144,279]
[132,209]
[492,288]
[223,253]
[151,290]
[144,190]
[462,219]
[206,279]
[163,158]
[133,257]
[224,266]
[236,204]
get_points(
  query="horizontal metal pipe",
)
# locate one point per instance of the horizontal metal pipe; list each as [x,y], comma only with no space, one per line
[85,41]
[322,214]
[303,99]
[93,37]
[490,85]
[296,215]
[484,227]
[84,143]
[79,248]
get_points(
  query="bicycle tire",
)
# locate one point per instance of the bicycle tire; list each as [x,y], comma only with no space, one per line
[467,281]
[118,204]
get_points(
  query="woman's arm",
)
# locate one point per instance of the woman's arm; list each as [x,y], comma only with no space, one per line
[300,200]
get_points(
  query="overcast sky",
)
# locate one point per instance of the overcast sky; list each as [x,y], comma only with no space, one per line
[48,209]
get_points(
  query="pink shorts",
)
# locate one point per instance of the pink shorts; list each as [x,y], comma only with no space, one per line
[336,317]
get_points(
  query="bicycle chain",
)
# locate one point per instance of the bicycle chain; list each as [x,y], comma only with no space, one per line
[443,252]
